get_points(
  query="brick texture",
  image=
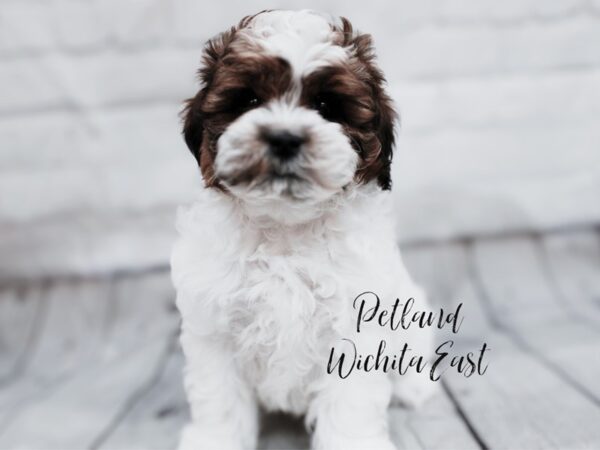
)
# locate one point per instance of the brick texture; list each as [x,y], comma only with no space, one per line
[500,103]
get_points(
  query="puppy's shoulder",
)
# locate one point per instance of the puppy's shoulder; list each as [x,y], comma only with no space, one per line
[207,241]
[211,212]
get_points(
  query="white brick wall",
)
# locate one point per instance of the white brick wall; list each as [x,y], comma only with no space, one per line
[500,104]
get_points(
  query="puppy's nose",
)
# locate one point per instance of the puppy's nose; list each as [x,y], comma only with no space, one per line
[283,144]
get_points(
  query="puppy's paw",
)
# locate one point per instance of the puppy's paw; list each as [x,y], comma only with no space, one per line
[345,443]
[412,391]
[378,444]
[198,438]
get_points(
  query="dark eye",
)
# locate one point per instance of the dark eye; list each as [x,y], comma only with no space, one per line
[328,105]
[247,99]
[321,105]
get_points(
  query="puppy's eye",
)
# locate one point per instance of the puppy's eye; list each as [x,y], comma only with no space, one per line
[328,105]
[321,105]
[247,99]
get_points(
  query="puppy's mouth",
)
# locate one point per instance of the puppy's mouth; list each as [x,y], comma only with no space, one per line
[262,173]
[285,176]
[285,182]
[277,182]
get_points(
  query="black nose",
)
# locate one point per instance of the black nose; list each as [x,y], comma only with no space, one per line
[283,144]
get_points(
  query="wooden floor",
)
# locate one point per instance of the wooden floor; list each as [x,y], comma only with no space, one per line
[95,364]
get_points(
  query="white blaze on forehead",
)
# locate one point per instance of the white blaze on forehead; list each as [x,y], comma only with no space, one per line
[302,38]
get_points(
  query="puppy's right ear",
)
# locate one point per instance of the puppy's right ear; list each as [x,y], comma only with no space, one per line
[214,51]
[193,127]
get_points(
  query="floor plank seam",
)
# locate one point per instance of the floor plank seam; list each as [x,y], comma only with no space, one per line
[50,389]
[497,235]
[559,295]
[111,306]
[138,394]
[514,335]
[11,283]
[464,417]
[33,337]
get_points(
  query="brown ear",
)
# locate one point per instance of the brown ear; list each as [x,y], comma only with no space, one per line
[193,127]
[385,126]
[377,165]
[193,121]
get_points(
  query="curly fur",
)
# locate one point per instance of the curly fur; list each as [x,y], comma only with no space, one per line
[266,268]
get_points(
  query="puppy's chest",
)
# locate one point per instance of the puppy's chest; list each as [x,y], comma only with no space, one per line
[283,300]
[281,318]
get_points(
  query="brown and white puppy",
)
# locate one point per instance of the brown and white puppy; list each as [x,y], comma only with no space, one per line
[293,132]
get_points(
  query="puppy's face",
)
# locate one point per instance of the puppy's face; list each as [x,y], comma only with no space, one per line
[291,111]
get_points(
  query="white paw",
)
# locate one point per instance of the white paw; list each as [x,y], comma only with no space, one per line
[197,438]
[345,443]
[413,390]
[379,444]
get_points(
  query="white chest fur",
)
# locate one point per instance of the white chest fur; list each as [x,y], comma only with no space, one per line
[280,296]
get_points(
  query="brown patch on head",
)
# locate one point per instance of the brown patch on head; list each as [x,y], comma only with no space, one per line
[235,77]
[370,117]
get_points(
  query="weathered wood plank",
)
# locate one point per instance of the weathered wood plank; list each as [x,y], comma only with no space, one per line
[520,298]
[511,271]
[67,339]
[143,305]
[72,329]
[501,407]
[450,262]
[442,271]
[136,322]
[573,263]
[435,425]
[520,402]
[156,419]
[77,411]
[22,314]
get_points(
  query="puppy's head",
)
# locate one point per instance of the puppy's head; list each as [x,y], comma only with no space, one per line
[291,111]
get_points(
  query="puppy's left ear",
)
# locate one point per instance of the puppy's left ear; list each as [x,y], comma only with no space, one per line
[377,164]
[385,123]
[385,116]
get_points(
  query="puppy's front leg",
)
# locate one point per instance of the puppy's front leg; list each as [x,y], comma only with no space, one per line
[351,413]
[224,410]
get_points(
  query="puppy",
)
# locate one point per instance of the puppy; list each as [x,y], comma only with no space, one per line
[293,132]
